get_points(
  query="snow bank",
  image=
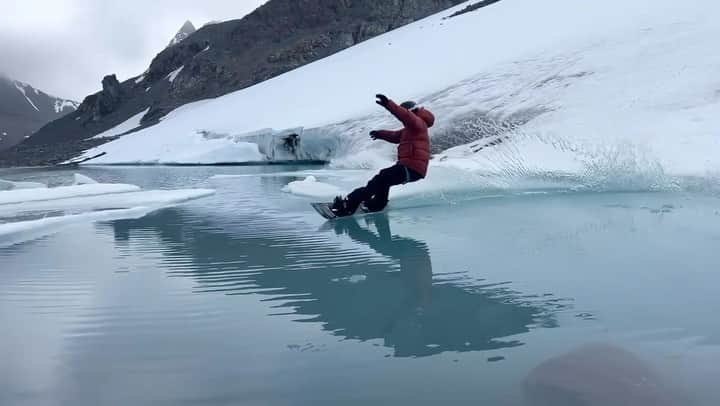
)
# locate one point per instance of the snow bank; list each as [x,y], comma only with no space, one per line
[62,192]
[316,173]
[214,151]
[447,186]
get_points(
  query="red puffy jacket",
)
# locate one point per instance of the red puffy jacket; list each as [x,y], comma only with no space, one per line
[414,140]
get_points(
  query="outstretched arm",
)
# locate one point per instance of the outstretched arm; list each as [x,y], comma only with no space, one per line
[387,135]
[408,119]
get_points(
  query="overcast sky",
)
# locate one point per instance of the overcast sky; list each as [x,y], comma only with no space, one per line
[65,47]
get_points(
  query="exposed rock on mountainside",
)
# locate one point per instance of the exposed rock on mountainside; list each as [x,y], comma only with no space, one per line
[220,58]
[185,31]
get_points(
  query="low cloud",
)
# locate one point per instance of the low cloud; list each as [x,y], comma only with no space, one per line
[65,47]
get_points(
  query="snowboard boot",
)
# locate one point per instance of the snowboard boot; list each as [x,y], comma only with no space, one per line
[340,207]
[375,205]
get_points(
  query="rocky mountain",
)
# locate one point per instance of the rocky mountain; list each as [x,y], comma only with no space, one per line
[220,58]
[185,31]
[24,109]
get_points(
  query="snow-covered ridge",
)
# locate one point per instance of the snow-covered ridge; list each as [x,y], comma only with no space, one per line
[593,88]
[185,31]
[59,104]
[21,88]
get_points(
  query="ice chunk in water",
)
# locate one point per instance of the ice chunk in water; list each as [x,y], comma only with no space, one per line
[81,179]
[63,192]
[146,198]
[10,185]
[21,231]
[92,208]
[310,187]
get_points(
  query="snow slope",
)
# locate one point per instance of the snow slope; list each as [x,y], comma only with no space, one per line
[605,88]
[131,124]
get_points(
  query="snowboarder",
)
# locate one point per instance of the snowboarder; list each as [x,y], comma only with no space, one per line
[413,158]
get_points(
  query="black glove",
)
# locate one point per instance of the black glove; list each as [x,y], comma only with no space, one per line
[374,135]
[382,100]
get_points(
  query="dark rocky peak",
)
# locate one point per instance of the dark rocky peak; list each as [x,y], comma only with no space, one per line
[100,104]
[279,36]
[185,31]
[111,86]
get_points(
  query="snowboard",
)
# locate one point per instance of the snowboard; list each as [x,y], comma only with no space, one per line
[324,210]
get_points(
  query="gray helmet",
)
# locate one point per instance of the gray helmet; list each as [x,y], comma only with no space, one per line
[410,105]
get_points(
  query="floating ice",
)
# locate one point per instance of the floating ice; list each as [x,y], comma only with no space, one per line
[17,232]
[62,192]
[10,185]
[146,198]
[81,179]
[310,187]
[86,201]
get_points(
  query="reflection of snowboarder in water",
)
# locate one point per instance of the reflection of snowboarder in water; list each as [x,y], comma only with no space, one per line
[413,158]
[412,255]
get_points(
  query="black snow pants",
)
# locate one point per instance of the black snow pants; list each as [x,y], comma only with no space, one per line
[375,194]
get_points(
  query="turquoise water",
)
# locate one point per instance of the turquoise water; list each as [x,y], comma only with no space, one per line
[248,297]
